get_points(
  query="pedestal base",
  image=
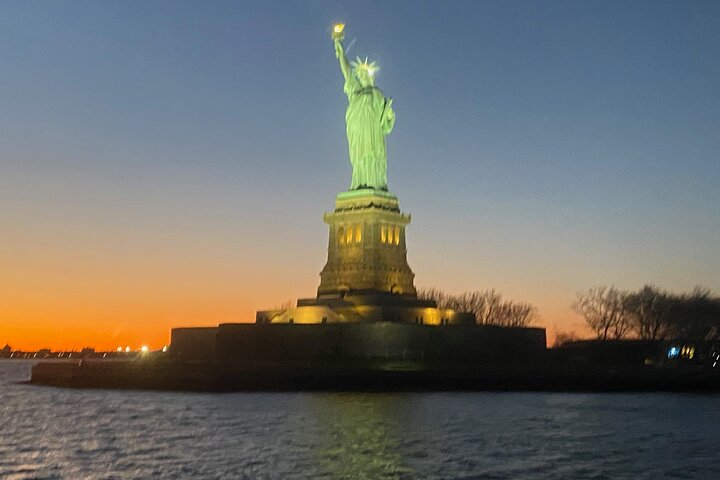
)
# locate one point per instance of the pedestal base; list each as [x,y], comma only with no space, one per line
[366,247]
[366,278]
[366,307]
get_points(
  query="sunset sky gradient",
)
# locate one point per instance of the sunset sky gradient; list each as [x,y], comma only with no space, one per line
[167,163]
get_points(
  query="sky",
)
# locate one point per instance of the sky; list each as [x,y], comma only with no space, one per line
[168,163]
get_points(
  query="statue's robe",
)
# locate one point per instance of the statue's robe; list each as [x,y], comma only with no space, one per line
[368,119]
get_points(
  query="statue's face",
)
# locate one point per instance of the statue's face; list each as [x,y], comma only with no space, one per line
[364,77]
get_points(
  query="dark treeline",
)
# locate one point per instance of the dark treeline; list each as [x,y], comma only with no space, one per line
[650,313]
[489,307]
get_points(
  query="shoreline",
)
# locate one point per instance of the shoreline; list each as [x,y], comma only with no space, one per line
[379,377]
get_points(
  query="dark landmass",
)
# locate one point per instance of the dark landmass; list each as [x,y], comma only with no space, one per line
[392,358]
[396,376]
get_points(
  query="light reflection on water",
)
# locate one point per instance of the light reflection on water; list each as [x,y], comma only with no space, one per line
[59,433]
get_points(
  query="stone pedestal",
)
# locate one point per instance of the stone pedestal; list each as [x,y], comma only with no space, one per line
[367,278]
[366,248]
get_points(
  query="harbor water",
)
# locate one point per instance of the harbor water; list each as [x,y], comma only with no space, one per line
[54,433]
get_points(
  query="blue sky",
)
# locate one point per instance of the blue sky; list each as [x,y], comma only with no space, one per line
[541,147]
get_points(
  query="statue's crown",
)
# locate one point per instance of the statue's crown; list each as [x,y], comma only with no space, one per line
[370,67]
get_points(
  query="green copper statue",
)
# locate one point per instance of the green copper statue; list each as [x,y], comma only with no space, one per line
[369,117]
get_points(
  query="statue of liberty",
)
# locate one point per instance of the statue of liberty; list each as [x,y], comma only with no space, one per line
[369,117]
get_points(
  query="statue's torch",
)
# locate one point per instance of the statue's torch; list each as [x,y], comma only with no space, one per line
[338,31]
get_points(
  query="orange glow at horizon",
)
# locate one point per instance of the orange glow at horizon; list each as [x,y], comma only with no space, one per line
[76,328]
[104,313]
[67,303]
[67,293]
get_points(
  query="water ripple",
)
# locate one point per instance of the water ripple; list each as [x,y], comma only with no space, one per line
[52,433]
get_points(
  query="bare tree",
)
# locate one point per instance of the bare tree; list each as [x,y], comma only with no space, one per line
[520,314]
[561,338]
[488,307]
[604,311]
[695,315]
[650,311]
[286,305]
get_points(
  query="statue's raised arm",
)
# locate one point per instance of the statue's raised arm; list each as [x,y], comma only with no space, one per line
[340,54]
[369,117]
[338,35]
